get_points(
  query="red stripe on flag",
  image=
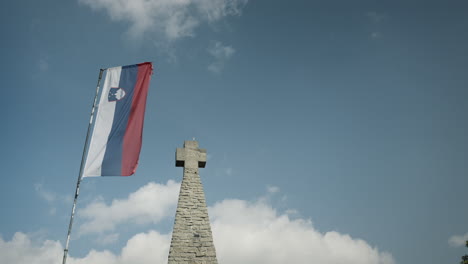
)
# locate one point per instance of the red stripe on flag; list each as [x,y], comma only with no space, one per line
[134,132]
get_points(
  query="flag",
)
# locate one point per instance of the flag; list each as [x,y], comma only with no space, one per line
[115,143]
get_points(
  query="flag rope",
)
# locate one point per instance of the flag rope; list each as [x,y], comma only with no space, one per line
[80,175]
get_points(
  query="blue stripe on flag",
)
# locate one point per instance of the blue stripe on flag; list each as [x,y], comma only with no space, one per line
[112,163]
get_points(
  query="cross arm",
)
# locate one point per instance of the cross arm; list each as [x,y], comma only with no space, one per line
[193,155]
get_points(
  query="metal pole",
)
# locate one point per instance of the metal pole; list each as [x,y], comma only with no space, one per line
[80,175]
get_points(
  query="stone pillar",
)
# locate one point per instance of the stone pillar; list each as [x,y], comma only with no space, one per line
[192,241]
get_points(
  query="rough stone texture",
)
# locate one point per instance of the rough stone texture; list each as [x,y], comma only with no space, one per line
[192,241]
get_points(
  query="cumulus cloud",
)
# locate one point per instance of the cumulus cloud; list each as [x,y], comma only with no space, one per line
[220,54]
[248,232]
[254,233]
[144,248]
[149,204]
[173,19]
[458,240]
[21,250]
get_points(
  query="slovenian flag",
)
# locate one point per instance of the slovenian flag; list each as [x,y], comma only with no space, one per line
[115,144]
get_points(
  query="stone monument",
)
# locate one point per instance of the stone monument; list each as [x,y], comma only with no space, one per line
[192,241]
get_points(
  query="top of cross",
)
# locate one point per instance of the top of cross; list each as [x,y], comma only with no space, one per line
[191,156]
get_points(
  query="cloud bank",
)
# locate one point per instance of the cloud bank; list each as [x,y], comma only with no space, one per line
[174,19]
[248,232]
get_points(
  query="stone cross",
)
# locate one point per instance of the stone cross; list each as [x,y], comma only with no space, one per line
[192,240]
[191,156]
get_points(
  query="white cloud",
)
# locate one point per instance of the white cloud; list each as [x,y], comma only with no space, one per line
[221,54]
[272,189]
[254,233]
[458,240]
[291,212]
[143,248]
[149,204]
[173,19]
[21,250]
[248,232]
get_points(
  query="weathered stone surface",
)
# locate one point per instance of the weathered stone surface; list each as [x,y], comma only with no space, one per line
[192,241]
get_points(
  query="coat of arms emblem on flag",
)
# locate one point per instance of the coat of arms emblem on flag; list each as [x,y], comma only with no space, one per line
[115,94]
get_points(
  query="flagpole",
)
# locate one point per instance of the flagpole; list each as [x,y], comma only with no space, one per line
[80,175]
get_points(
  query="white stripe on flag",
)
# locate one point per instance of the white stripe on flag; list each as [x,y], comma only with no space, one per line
[103,125]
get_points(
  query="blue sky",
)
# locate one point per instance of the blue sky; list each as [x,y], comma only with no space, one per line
[336,129]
